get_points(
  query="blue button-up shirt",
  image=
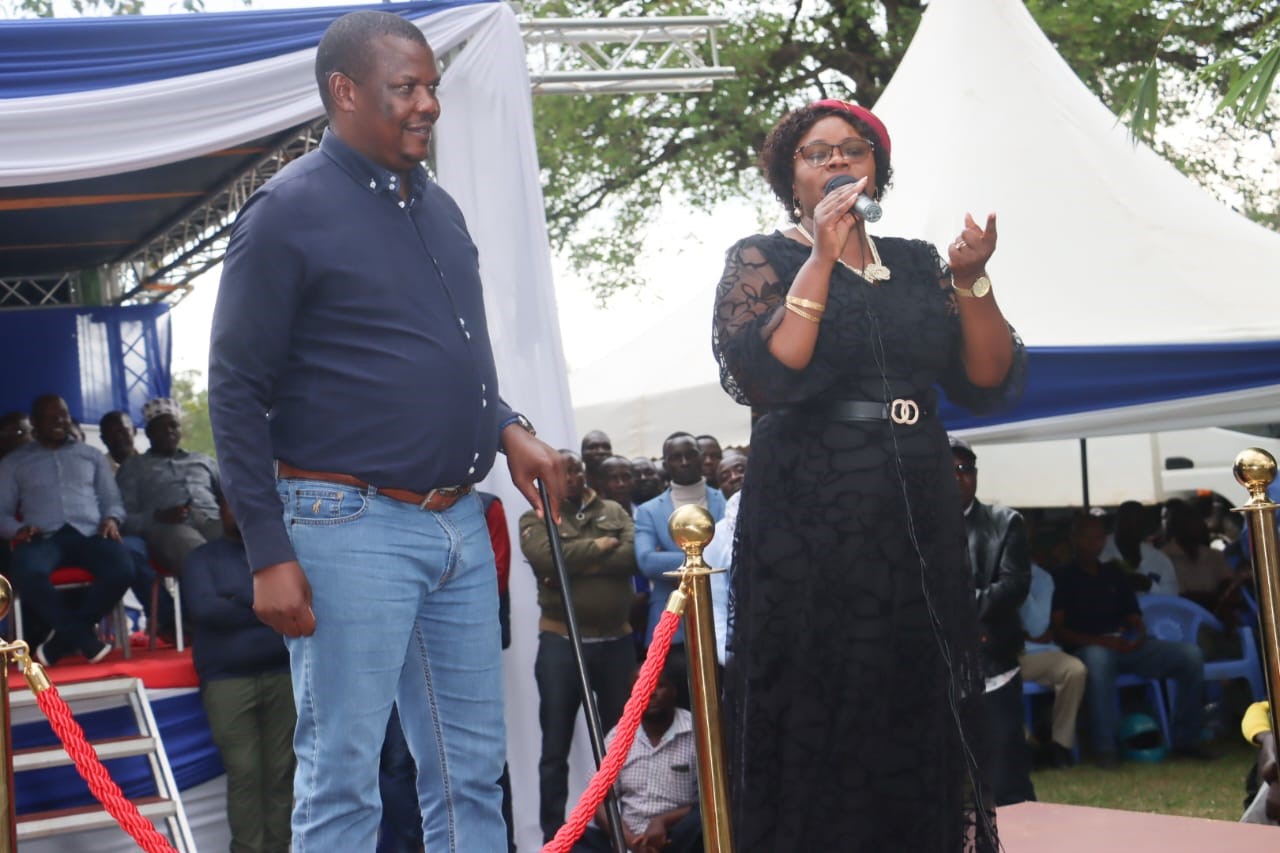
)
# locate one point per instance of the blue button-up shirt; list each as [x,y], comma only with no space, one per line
[349,337]
[71,484]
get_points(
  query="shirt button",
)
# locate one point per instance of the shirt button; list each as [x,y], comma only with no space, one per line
[475,457]
[471,470]
[468,334]
[401,203]
[484,404]
[373,185]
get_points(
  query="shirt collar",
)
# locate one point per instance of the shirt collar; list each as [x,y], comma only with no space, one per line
[376,179]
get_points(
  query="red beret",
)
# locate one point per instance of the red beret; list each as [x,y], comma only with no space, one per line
[877,127]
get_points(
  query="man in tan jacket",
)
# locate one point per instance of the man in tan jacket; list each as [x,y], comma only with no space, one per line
[598,539]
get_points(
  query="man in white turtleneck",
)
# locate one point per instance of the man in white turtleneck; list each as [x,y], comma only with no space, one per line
[656,553]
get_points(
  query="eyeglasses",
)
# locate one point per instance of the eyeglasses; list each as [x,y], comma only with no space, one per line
[817,153]
[964,468]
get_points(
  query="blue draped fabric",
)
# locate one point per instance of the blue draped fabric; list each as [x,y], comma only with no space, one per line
[50,57]
[1069,380]
[96,358]
[187,742]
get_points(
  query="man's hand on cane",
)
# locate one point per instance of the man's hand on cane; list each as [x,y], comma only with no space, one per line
[529,460]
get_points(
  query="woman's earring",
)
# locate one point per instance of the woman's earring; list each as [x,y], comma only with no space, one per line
[795,209]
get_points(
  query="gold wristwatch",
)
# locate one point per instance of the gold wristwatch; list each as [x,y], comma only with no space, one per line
[980,288]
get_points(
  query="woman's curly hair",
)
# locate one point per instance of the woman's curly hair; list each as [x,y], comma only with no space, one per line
[778,157]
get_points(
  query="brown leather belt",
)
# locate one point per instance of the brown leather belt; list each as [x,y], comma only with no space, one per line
[436,500]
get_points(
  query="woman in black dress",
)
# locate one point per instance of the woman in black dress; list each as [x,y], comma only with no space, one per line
[854,689]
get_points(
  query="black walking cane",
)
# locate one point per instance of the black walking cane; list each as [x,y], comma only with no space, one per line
[584,683]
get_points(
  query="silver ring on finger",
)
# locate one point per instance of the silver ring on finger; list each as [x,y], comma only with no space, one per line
[961,244]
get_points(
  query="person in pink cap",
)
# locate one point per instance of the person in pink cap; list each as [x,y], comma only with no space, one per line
[854,683]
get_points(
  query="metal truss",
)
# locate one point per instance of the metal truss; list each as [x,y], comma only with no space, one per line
[162,270]
[23,292]
[575,56]
[605,56]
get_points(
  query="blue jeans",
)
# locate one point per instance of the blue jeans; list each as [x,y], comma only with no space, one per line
[108,561]
[404,605]
[1161,659]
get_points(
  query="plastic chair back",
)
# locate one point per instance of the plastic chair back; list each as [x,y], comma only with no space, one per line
[1174,618]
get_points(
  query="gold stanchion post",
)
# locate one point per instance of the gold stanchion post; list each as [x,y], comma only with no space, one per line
[9,830]
[692,528]
[1255,469]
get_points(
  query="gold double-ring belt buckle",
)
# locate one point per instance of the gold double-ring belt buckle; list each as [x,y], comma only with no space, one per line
[905,412]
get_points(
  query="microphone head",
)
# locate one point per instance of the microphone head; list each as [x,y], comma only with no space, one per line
[837,182]
[864,205]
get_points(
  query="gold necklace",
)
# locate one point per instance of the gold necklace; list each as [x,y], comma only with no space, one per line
[873,273]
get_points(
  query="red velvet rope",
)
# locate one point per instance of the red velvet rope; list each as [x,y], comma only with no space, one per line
[622,740]
[100,781]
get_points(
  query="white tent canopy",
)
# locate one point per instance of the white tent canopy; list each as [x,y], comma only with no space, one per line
[1102,242]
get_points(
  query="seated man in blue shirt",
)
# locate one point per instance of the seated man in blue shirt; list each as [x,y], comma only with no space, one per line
[354,401]
[1096,618]
[171,495]
[1045,663]
[71,515]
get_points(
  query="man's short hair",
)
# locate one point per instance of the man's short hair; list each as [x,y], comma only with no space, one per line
[43,400]
[1081,520]
[961,447]
[346,48]
[114,414]
[673,437]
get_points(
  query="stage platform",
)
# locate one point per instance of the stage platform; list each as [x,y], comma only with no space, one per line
[1051,828]
[161,669]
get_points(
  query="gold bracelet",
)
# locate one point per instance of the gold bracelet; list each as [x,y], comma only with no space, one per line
[806,303]
[800,312]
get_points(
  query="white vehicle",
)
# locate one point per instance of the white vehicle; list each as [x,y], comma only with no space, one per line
[1148,467]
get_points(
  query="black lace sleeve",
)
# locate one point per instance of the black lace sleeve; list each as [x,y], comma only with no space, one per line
[955,382]
[750,300]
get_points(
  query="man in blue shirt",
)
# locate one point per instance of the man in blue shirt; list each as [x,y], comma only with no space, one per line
[354,402]
[657,553]
[71,514]
[1096,617]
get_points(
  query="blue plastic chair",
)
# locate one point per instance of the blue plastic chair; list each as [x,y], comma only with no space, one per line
[1031,689]
[1171,617]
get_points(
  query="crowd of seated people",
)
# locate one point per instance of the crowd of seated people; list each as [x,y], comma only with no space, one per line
[115,515]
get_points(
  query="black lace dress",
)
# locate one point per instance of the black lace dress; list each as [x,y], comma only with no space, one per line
[853,665]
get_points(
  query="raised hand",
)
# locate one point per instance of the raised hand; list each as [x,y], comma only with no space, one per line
[968,254]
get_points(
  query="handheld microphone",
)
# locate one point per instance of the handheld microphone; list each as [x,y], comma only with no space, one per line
[866,207]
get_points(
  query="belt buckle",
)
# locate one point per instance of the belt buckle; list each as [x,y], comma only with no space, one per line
[446,492]
[902,411]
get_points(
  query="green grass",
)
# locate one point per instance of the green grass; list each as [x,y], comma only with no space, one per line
[1209,789]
